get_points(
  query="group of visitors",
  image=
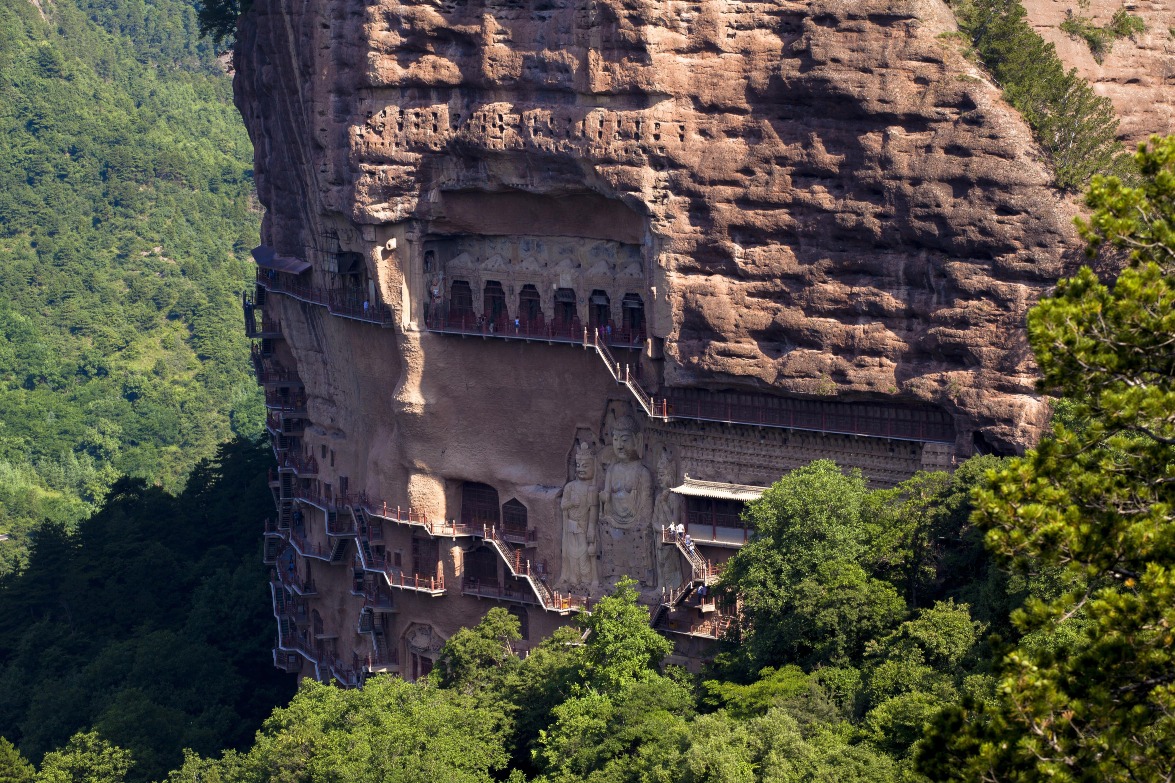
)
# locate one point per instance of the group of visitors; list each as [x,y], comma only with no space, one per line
[679,534]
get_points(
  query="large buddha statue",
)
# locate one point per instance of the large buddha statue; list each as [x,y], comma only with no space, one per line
[626,509]
[580,509]
[627,499]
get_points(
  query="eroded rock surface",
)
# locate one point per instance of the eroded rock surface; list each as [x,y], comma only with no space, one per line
[830,201]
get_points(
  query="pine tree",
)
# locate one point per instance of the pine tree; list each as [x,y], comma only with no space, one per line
[1093,697]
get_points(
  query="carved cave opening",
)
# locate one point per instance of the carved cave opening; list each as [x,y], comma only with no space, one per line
[633,313]
[494,304]
[523,621]
[530,307]
[716,520]
[425,557]
[461,302]
[479,504]
[421,666]
[481,567]
[514,518]
[546,277]
[599,310]
[565,310]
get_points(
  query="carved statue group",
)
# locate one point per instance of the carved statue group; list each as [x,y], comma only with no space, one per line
[615,530]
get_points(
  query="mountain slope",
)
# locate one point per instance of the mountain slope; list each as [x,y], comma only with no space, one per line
[125,217]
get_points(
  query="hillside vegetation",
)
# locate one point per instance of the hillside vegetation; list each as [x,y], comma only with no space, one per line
[125,219]
[151,623]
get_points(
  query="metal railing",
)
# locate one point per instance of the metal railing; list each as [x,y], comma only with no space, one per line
[345,303]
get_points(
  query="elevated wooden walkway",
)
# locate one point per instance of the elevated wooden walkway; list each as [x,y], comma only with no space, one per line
[341,302]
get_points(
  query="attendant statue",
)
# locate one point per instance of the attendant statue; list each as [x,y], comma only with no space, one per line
[436,292]
[580,507]
[666,514]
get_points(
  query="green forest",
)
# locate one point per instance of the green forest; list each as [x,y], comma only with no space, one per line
[150,623]
[126,214]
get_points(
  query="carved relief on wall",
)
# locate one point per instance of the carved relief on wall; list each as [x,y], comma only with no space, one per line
[580,511]
[423,640]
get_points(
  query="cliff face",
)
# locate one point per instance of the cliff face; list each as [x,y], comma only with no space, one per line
[1138,74]
[829,201]
[790,230]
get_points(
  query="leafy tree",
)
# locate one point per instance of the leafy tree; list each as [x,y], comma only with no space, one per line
[13,766]
[390,730]
[124,223]
[475,659]
[150,623]
[799,580]
[621,648]
[1097,701]
[218,19]
[547,677]
[634,733]
[835,611]
[86,759]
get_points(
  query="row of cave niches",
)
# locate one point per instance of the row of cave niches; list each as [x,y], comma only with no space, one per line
[457,310]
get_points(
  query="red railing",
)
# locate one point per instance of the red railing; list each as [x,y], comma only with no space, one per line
[812,415]
[291,579]
[267,328]
[377,598]
[709,627]
[406,515]
[483,589]
[347,675]
[702,570]
[277,423]
[388,658]
[467,323]
[301,465]
[271,371]
[395,575]
[340,525]
[305,548]
[286,606]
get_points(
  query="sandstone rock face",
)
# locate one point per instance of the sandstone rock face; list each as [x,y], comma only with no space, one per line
[1138,74]
[831,202]
[800,216]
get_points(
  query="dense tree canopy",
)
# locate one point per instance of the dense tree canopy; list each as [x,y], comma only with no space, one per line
[1093,698]
[1077,128]
[151,623]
